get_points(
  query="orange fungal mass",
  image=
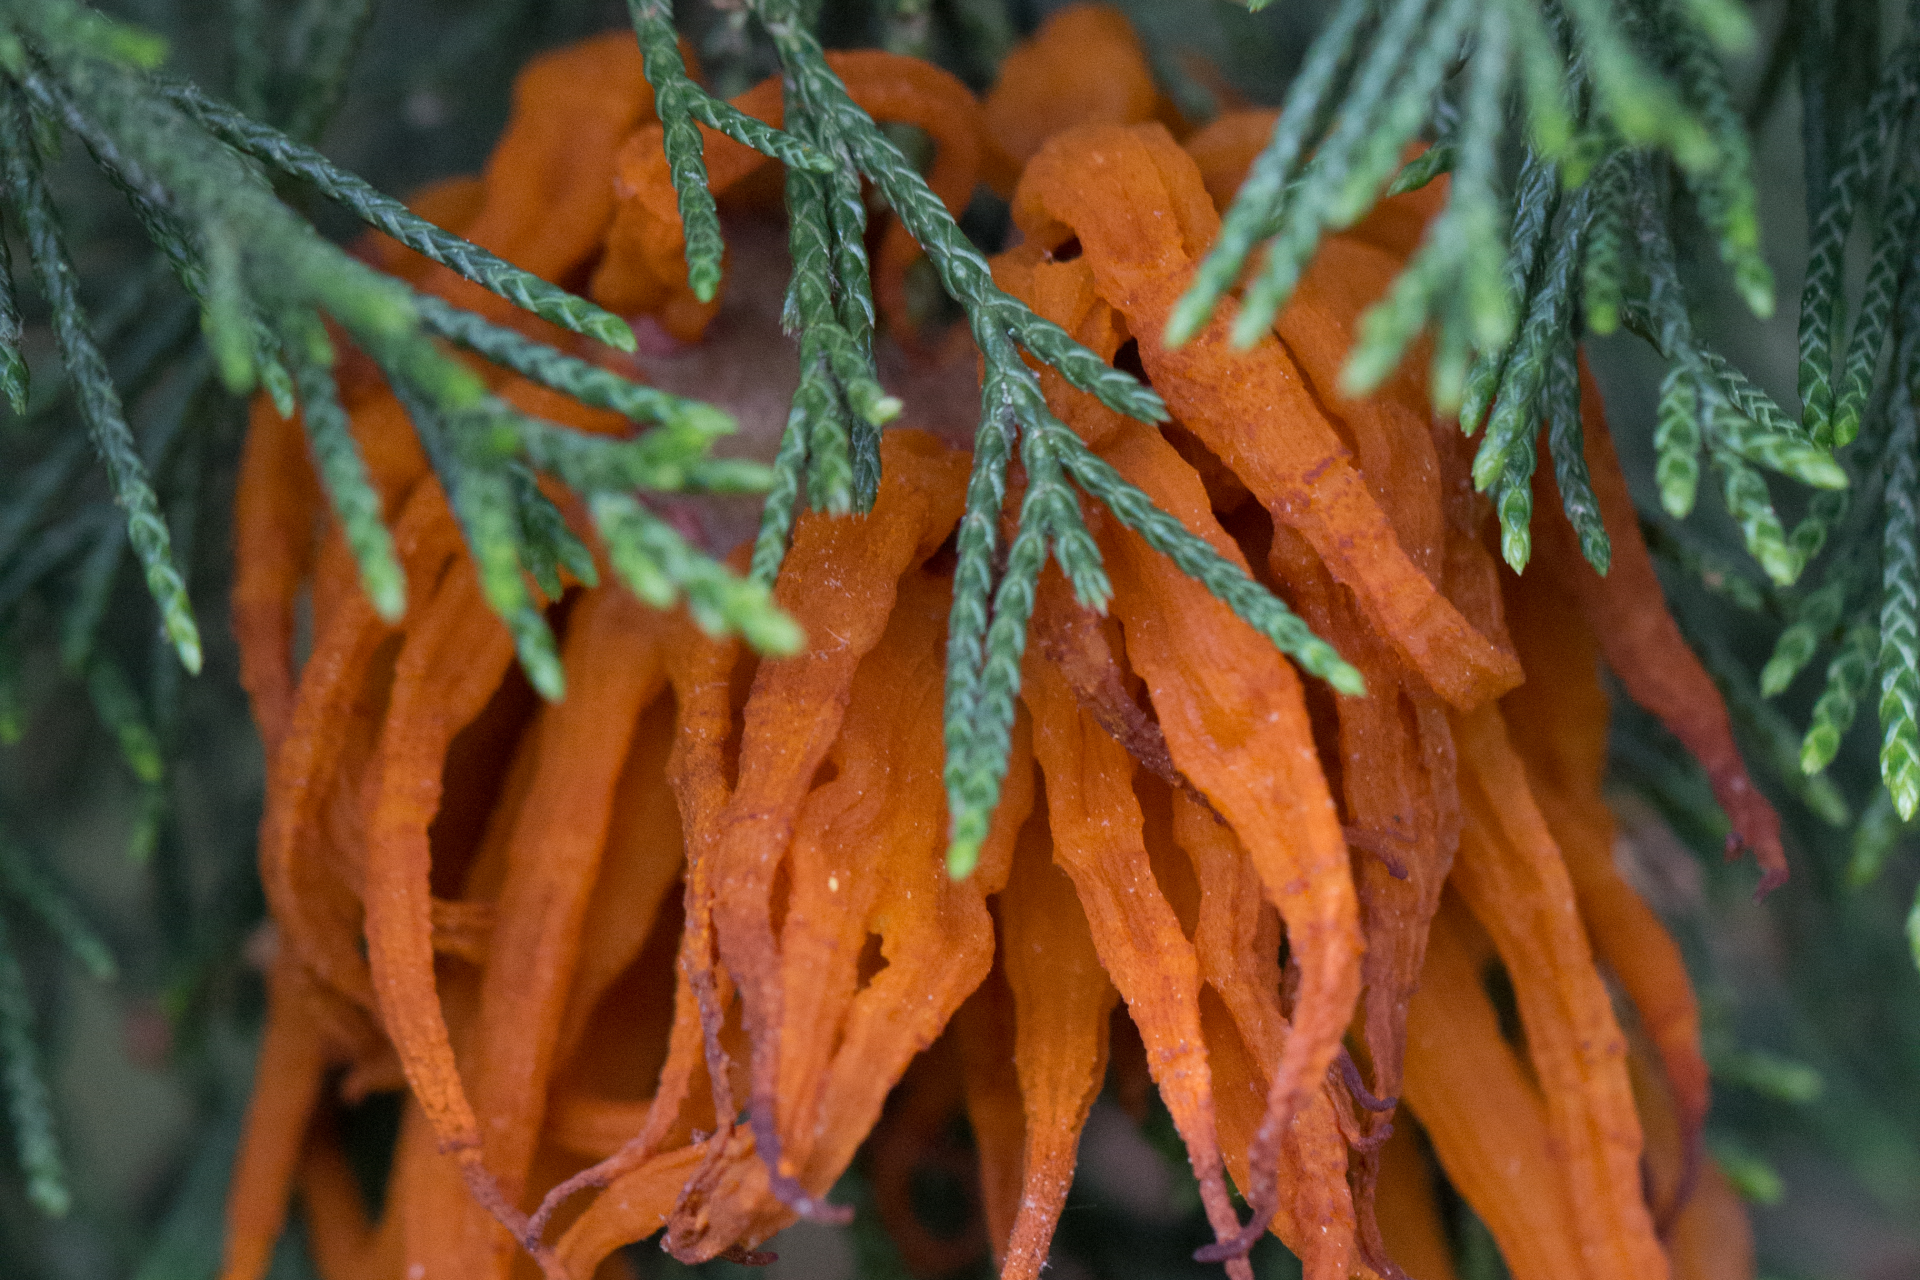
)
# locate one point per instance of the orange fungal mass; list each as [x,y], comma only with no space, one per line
[667,958]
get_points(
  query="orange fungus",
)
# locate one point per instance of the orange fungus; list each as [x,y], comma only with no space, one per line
[668,957]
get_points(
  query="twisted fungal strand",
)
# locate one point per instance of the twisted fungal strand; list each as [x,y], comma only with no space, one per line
[669,956]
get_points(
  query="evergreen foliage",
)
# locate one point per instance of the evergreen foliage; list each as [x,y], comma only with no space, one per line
[263,280]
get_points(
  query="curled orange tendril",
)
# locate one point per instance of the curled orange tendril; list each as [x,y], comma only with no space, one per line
[653,959]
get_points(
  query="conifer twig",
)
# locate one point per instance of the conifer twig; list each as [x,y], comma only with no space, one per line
[99,402]
[829,454]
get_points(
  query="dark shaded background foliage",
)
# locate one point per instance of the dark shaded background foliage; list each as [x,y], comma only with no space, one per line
[1812,1000]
